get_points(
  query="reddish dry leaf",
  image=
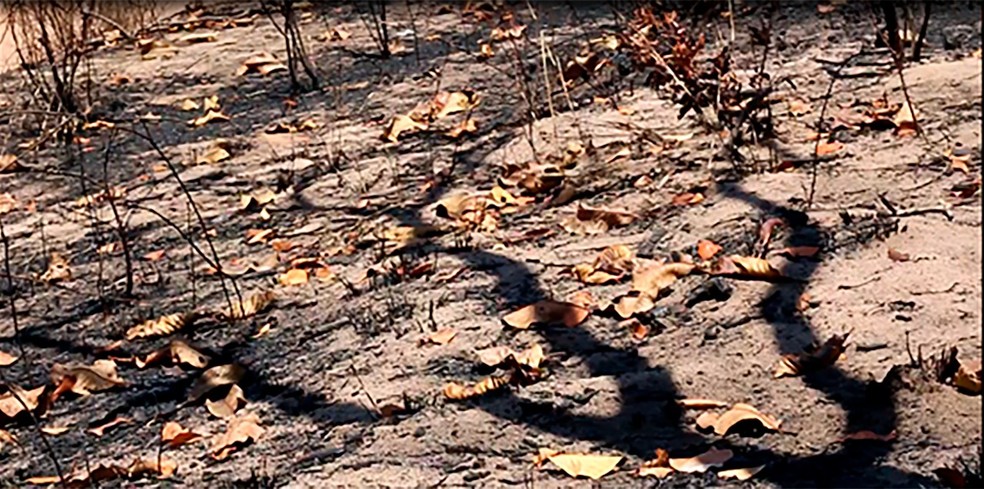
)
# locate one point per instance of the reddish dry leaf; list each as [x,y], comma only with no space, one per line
[639,331]
[702,462]
[766,230]
[951,477]
[101,429]
[706,249]
[869,435]
[175,435]
[896,255]
[547,312]
[241,431]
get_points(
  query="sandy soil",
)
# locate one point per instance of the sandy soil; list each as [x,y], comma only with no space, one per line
[334,350]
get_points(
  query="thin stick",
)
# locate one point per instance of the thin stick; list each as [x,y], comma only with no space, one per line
[371,400]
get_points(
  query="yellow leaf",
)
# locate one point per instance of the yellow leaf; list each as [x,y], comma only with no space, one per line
[591,466]
[189,105]
[459,392]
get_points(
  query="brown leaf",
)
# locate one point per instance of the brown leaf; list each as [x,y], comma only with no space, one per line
[583,298]
[747,268]
[442,336]
[467,126]
[175,435]
[445,104]
[869,435]
[827,148]
[766,230]
[10,401]
[250,306]
[639,331]
[176,352]
[635,302]
[7,203]
[294,276]
[210,116]
[904,120]
[55,430]
[687,198]
[155,255]
[959,158]
[896,255]
[7,359]
[218,152]
[58,269]
[740,474]
[161,326]
[611,218]
[189,105]
[493,356]
[702,462]
[659,466]
[800,251]
[798,107]
[654,278]
[738,413]
[485,50]
[228,405]
[8,163]
[100,376]
[968,377]
[706,249]
[547,312]
[813,359]
[459,392]
[149,466]
[262,63]
[215,377]
[587,274]
[401,124]
[101,429]
[590,466]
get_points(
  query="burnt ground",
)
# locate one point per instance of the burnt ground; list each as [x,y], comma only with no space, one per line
[335,349]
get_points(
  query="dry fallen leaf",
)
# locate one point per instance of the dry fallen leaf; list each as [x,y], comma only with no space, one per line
[655,278]
[262,63]
[250,306]
[8,163]
[813,359]
[176,352]
[547,312]
[896,255]
[175,435]
[7,359]
[905,120]
[703,462]
[635,302]
[746,267]
[968,377]
[706,249]
[590,466]
[740,474]
[189,105]
[459,392]
[161,326]
[701,404]
[639,331]
[611,218]
[687,198]
[218,152]
[55,430]
[11,401]
[442,336]
[737,414]
[228,405]
[7,438]
[162,467]
[401,124]
[826,148]
[467,126]
[58,269]
[216,377]
[659,466]
[294,276]
[241,430]
[82,380]
[210,116]
[7,203]
[101,429]
[800,251]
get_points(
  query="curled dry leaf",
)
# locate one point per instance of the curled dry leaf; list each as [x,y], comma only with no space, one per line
[176,435]
[639,331]
[652,279]
[747,268]
[766,230]
[687,198]
[635,302]
[589,275]
[55,430]
[13,402]
[611,218]
[706,249]
[210,116]
[262,63]
[100,376]
[737,414]
[215,377]
[702,462]
[741,474]
[218,152]
[58,269]
[228,405]
[590,466]
[547,312]
[460,392]
[250,306]
[401,124]
[813,359]
[959,158]
[658,467]
[176,352]
[161,326]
